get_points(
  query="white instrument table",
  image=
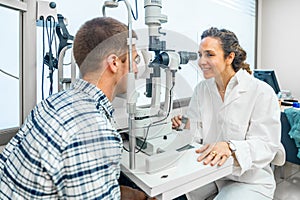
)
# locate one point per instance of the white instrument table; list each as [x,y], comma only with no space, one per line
[187,175]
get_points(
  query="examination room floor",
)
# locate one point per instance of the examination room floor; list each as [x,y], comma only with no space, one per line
[288,188]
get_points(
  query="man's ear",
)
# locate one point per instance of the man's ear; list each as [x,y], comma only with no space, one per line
[112,62]
[230,58]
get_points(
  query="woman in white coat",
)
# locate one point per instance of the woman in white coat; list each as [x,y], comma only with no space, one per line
[237,115]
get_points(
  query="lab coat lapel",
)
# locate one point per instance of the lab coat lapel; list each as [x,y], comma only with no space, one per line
[232,96]
[238,88]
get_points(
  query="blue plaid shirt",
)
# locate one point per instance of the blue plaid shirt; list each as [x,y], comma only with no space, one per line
[67,148]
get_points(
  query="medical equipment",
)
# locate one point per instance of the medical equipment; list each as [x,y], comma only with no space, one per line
[65,43]
[55,25]
[46,17]
[150,128]
[8,74]
[131,93]
[268,76]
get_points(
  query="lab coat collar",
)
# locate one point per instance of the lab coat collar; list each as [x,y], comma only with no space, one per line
[237,85]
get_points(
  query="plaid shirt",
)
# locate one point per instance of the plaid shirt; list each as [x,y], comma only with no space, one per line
[67,148]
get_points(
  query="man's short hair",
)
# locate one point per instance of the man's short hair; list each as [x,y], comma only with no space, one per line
[97,39]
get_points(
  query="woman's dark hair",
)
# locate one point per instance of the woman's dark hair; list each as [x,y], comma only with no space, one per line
[229,43]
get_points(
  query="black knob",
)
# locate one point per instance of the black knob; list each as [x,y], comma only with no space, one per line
[52,5]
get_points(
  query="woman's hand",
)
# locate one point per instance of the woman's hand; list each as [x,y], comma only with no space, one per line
[176,121]
[213,154]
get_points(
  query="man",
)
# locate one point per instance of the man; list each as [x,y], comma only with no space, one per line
[68,146]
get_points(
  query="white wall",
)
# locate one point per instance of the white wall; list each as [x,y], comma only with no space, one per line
[279,41]
[186,22]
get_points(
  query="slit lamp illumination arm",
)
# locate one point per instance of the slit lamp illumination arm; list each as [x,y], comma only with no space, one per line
[131,93]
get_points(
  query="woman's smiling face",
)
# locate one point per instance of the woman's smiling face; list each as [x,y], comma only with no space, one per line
[211,57]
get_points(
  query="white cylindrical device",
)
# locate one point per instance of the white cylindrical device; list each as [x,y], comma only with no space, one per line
[153,16]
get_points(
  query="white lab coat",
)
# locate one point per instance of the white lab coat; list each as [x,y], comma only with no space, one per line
[250,118]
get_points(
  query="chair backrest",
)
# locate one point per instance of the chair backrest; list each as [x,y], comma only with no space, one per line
[280,157]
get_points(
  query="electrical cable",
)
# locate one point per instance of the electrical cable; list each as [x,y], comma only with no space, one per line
[135,17]
[151,124]
[48,58]
[50,40]
[136,12]
[147,132]
[8,74]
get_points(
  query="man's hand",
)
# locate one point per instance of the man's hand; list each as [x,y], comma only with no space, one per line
[128,193]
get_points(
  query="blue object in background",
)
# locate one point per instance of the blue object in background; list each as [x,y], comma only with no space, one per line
[293,116]
[296,104]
